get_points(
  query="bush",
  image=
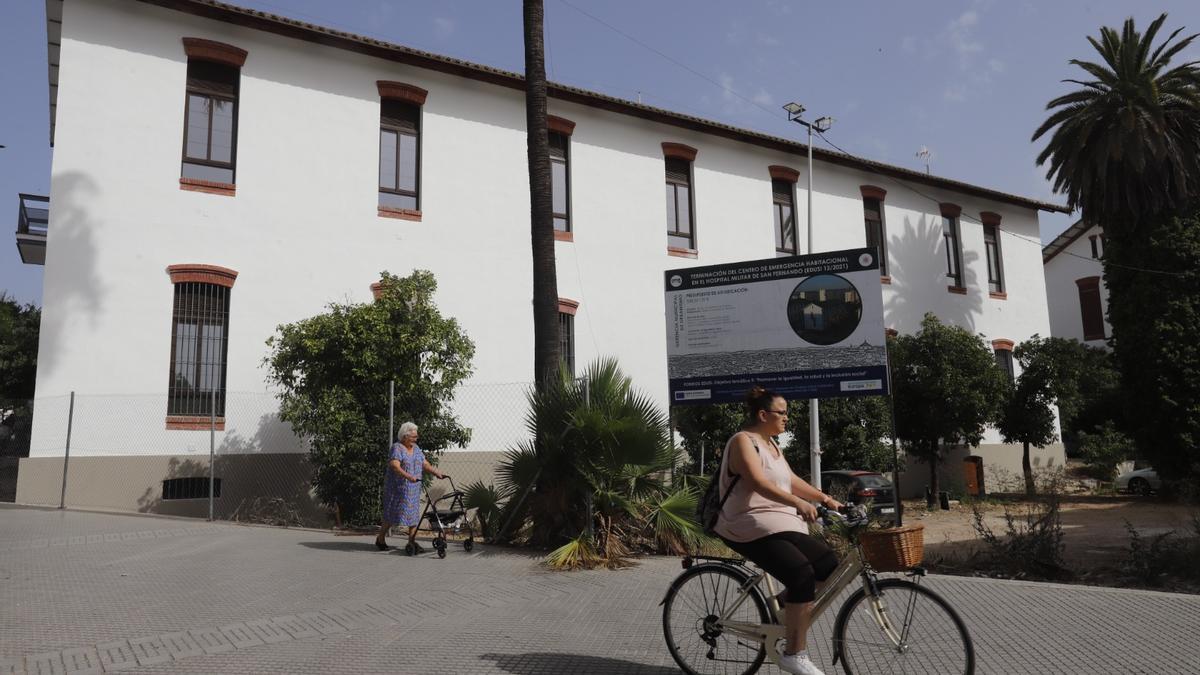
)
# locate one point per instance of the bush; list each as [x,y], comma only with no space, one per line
[1103,449]
[1031,546]
[1165,557]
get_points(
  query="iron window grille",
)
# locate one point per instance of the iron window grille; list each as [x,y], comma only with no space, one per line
[566,341]
[199,350]
[399,154]
[1004,360]
[189,488]
[210,122]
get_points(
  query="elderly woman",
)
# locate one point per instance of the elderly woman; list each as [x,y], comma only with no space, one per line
[402,488]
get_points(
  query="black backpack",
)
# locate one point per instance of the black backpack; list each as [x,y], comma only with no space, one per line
[708,508]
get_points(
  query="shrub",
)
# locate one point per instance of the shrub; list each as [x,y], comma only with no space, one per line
[1103,449]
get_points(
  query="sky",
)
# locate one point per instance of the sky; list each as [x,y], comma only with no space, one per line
[969,81]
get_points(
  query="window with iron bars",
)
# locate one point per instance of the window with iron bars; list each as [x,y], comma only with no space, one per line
[566,340]
[210,122]
[199,347]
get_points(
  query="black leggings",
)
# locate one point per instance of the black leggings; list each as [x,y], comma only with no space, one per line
[794,558]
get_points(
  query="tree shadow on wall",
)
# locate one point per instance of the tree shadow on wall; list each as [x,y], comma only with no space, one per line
[77,293]
[255,486]
[919,283]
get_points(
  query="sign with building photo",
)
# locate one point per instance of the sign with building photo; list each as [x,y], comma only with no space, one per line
[804,326]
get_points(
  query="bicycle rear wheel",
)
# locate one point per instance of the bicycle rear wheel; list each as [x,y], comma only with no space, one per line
[696,599]
[933,638]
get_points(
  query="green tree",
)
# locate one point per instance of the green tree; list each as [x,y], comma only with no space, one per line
[333,372]
[1158,351]
[709,427]
[855,434]
[1083,383]
[1125,149]
[1027,416]
[19,325]
[947,388]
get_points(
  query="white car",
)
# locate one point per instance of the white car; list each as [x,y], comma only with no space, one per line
[1140,481]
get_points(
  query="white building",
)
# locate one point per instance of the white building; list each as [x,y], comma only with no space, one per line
[220,171]
[1076,294]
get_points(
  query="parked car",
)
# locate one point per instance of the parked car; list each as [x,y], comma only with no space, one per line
[1139,481]
[861,487]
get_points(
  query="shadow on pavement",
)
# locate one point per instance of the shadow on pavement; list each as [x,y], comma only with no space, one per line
[355,546]
[544,662]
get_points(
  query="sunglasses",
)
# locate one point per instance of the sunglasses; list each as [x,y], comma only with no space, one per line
[782,413]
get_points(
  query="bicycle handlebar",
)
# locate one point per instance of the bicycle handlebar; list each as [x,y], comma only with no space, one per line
[852,514]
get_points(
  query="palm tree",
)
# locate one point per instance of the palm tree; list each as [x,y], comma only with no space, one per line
[546,355]
[596,462]
[1126,147]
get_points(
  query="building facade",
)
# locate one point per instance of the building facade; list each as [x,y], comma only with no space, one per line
[218,172]
[1076,295]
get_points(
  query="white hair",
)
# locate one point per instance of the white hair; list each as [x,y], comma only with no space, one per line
[405,429]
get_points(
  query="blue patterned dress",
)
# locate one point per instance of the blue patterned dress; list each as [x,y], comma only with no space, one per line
[402,499]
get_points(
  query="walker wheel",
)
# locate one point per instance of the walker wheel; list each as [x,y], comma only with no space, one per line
[468,544]
[440,545]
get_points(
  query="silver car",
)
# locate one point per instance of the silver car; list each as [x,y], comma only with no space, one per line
[1139,481]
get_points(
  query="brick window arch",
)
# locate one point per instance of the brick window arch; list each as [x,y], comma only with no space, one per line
[210,116]
[681,202]
[876,227]
[559,130]
[196,387]
[400,107]
[952,242]
[566,332]
[783,204]
[1002,348]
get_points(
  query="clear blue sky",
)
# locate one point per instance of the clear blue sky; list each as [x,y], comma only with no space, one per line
[967,80]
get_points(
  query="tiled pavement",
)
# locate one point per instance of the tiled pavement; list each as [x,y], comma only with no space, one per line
[91,593]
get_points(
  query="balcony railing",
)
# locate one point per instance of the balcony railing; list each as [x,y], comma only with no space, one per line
[33,217]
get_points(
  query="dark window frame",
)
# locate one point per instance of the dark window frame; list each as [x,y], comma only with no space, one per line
[401,130]
[565,161]
[1004,361]
[566,340]
[195,88]
[779,199]
[879,232]
[953,242]
[186,309]
[991,241]
[675,184]
[1091,308]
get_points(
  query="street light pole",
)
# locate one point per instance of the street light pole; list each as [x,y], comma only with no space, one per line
[795,110]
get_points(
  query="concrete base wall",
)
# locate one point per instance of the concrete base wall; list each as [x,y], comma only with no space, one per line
[1001,468]
[261,486]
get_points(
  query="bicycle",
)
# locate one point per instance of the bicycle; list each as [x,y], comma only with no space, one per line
[717,620]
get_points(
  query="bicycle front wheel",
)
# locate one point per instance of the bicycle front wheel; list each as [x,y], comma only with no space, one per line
[697,643]
[906,628]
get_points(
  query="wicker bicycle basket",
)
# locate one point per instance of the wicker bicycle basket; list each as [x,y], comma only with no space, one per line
[894,549]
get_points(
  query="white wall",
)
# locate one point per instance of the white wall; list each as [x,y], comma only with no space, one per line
[1062,294]
[303,229]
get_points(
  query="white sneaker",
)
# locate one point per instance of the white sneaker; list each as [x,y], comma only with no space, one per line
[798,664]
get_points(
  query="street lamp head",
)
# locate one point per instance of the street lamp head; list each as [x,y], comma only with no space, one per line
[823,123]
[794,109]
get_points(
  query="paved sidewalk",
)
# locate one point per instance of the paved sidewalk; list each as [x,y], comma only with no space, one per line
[91,593]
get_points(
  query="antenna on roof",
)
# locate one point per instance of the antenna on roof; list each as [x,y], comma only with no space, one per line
[925,153]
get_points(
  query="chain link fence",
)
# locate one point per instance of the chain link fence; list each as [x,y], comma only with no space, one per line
[123,452]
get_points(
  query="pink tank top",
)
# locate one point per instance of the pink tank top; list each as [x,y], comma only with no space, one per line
[748,515]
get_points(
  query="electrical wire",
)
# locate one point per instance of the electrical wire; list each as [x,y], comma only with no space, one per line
[971,219]
[774,114]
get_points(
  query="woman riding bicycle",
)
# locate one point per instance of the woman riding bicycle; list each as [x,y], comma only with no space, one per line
[765,519]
